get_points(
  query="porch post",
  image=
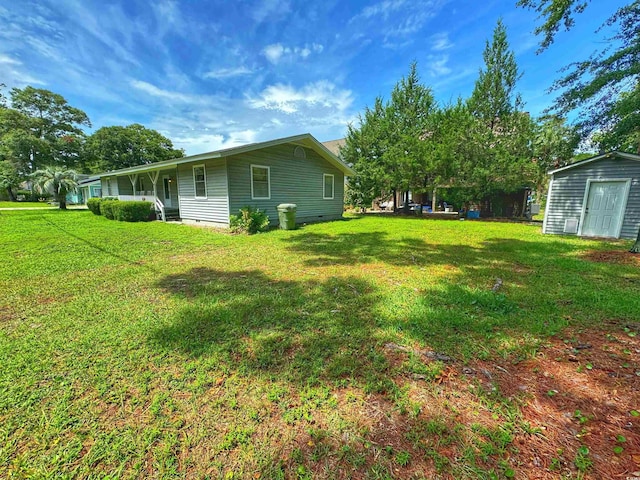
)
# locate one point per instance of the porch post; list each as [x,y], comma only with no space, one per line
[133,179]
[154,179]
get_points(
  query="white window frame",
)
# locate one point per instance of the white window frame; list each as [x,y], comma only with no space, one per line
[268,197]
[204,174]
[333,186]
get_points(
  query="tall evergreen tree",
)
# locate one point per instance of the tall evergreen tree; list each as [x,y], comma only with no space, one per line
[502,130]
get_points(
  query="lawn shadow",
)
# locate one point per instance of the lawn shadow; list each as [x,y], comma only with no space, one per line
[300,331]
[318,249]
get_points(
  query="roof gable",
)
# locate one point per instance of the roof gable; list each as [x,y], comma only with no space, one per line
[603,156]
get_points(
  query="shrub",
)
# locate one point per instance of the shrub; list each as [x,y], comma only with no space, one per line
[251,220]
[107,208]
[133,211]
[93,204]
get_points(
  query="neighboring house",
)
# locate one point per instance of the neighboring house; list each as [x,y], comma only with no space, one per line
[596,197]
[88,187]
[210,187]
[334,146]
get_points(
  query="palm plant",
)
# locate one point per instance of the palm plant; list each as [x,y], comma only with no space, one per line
[56,181]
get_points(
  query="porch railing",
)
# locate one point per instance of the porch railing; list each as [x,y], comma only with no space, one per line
[160,208]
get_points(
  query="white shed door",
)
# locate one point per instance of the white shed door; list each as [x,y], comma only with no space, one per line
[604,210]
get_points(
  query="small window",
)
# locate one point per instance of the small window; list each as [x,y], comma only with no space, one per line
[97,192]
[299,152]
[260,183]
[200,181]
[328,187]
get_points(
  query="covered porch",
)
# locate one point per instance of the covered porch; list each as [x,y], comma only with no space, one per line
[158,186]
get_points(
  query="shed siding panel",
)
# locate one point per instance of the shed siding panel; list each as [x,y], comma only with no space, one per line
[569,188]
[214,208]
[293,180]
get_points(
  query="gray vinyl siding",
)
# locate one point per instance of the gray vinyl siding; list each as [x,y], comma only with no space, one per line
[214,208]
[568,189]
[292,180]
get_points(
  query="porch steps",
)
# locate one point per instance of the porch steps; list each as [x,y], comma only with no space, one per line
[171,213]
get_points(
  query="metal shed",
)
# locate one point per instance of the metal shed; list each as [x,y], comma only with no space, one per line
[596,197]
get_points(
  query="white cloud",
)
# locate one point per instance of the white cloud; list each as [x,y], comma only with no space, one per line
[278,52]
[394,19]
[270,9]
[437,65]
[15,76]
[384,8]
[440,42]
[6,60]
[288,99]
[197,142]
[223,73]
[273,52]
[154,91]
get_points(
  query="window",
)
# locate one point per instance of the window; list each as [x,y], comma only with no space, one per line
[299,153]
[328,186]
[260,184]
[97,192]
[108,185]
[200,181]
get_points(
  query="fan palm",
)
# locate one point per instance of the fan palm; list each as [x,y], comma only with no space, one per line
[56,181]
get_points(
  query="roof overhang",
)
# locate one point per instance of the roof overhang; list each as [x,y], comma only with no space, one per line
[306,140]
[626,156]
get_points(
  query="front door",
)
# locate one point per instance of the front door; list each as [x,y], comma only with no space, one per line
[604,209]
[166,199]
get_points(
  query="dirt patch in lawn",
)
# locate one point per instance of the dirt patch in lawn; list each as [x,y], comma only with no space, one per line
[583,393]
[613,256]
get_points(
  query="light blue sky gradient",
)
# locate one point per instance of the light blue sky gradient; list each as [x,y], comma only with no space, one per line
[213,74]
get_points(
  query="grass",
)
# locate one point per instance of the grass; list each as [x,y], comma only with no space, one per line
[164,351]
[25,205]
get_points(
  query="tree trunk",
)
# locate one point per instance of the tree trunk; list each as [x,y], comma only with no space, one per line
[636,246]
[12,196]
[395,201]
[62,201]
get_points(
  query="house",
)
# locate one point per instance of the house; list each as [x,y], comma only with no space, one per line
[209,187]
[334,146]
[88,187]
[596,197]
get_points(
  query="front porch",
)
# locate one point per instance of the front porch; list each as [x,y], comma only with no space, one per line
[157,186]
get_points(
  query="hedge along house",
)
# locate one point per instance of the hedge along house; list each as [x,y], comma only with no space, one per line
[596,197]
[209,187]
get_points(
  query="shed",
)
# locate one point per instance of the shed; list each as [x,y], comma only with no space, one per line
[596,197]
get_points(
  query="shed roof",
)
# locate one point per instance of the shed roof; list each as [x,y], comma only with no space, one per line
[608,155]
[305,139]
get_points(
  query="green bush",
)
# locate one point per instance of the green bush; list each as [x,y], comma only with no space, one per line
[33,196]
[249,221]
[133,211]
[107,208]
[93,204]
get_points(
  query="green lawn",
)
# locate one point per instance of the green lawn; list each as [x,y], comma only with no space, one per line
[25,205]
[167,351]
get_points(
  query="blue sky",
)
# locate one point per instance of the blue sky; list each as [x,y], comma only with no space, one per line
[214,74]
